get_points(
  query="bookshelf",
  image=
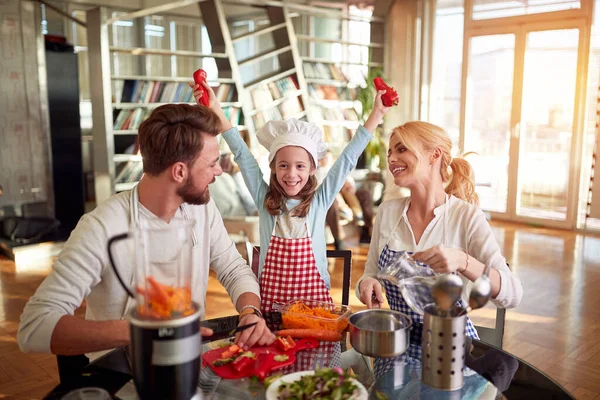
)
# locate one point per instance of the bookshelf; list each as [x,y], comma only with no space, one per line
[278,92]
[288,76]
[336,62]
[121,101]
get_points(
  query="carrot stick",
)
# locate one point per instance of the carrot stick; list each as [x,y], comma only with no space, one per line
[319,334]
[159,293]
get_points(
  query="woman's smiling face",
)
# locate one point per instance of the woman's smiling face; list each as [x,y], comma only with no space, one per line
[404,165]
[293,167]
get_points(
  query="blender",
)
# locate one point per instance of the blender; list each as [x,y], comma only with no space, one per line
[165,338]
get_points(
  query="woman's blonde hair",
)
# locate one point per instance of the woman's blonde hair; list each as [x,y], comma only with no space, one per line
[459,179]
[276,198]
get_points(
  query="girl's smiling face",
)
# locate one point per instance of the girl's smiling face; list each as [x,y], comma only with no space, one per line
[293,167]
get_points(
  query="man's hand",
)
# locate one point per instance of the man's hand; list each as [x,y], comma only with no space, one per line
[443,260]
[258,334]
[206,331]
[370,293]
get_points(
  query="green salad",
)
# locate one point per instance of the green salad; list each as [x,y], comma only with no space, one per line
[326,384]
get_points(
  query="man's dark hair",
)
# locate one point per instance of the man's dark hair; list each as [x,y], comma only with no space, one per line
[173,133]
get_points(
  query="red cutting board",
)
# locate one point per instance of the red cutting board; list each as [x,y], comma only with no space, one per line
[264,363]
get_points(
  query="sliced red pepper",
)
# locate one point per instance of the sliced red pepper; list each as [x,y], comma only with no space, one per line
[243,361]
[285,343]
[391,97]
[199,79]
[263,365]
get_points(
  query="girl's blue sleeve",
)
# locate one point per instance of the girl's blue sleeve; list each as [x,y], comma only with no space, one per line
[346,162]
[248,166]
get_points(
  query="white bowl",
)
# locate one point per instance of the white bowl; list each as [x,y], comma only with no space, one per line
[273,390]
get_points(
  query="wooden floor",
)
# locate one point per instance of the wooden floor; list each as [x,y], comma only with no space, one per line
[556,328]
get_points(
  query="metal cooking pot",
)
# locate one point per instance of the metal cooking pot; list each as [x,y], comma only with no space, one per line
[379,333]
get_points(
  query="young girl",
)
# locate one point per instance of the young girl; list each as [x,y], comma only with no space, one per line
[440,222]
[291,207]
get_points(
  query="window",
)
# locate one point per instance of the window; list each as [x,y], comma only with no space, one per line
[447,67]
[485,9]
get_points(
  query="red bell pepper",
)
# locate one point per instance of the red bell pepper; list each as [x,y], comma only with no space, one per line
[285,343]
[391,97]
[199,79]
[243,361]
[263,365]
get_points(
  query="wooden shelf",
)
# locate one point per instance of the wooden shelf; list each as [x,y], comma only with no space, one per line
[140,51]
[336,103]
[164,79]
[268,79]
[120,187]
[298,116]
[125,132]
[276,102]
[264,55]
[325,61]
[331,82]
[342,42]
[127,157]
[259,32]
[129,106]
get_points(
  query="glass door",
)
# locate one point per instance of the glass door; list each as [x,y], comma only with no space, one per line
[519,110]
[546,128]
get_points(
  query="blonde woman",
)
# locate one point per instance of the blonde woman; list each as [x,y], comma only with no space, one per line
[440,223]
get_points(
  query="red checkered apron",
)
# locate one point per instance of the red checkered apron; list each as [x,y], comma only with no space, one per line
[290,272]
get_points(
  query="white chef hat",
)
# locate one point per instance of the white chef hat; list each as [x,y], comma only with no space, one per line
[275,135]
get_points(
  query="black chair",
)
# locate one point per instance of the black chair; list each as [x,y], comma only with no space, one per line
[344,254]
[494,336]
[70,367]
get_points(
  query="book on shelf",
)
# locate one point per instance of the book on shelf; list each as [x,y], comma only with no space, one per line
[130,171]
[329,92]
[129,119]
[234,115]
[317,70]
[148,91]
[267,93]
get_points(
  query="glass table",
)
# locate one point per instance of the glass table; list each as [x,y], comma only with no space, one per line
[490,373]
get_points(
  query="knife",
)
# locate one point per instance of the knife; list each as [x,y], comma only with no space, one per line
[222,334]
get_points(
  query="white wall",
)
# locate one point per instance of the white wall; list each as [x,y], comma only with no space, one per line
[24,148]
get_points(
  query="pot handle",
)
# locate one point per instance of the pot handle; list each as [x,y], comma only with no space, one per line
[112,241]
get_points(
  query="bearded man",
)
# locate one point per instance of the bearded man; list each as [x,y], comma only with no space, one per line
[180,153]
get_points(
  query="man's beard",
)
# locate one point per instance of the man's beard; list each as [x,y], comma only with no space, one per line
[191,195]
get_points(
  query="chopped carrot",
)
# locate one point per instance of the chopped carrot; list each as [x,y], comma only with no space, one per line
[319,334]
[162,301]
[301,316]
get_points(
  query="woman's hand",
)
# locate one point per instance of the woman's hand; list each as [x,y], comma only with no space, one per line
[206,90]
[259,334]
[379,110]
[443,260]
[370,293]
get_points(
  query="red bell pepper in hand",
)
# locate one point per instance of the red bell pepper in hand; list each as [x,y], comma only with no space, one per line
[390,97]
[199,79]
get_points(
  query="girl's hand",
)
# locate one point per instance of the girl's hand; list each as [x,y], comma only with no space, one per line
[259,334]
[379,110]
[443,260]
[214,105]
[370,293]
